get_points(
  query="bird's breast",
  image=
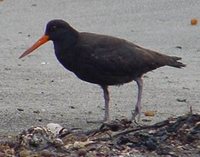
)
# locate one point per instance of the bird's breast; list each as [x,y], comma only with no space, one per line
[66,58]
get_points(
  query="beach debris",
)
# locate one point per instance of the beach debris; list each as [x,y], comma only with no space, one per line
[150,113]
[194,22]
[175,136]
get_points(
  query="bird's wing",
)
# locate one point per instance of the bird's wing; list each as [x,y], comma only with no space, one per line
[116,58]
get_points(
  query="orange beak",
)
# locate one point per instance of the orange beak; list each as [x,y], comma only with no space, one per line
[40,42]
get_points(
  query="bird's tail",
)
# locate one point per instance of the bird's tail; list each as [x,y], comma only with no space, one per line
[174,62]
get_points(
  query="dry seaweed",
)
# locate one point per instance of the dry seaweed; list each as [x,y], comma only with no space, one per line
[178,136]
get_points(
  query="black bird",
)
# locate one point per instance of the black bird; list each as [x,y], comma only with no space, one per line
[102,59]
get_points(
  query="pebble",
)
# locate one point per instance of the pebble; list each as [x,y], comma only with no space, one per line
[20,109]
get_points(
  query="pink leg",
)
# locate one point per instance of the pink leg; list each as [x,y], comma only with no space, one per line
[107,99]
[137,111]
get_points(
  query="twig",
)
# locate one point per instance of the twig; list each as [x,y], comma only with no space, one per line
[157,125]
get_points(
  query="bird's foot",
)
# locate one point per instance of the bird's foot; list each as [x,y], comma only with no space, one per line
[134,115]
[105,120]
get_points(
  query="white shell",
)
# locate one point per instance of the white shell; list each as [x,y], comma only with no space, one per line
[54,128]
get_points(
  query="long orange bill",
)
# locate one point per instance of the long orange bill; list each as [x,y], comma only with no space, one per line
[40,42]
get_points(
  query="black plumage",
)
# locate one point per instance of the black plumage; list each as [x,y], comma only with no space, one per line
[102,59]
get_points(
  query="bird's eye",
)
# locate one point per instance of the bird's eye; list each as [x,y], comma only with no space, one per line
[53,28]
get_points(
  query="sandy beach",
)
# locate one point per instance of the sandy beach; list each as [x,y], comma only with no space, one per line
[37,90]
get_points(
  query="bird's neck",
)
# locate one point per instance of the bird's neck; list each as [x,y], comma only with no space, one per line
[64,50]
[67,40]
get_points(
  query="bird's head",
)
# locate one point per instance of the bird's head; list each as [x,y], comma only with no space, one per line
[57,31]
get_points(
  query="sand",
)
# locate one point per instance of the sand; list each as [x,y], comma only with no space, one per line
[37,90]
